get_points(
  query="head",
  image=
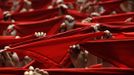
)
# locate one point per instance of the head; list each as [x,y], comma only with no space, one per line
[10,27]
[127,5]
[69,18]
[107,34]
[79,2]
[10,30]
[94,14]
[26,0]
[6,15]
[75,49]
[59,2]
[96,27]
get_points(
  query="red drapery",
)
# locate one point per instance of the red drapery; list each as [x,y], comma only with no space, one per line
[113,18]
[36,15]
[44,51]
[72,71]
[49,26]
[117,51]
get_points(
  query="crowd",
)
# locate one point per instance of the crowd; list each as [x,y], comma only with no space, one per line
[80,57]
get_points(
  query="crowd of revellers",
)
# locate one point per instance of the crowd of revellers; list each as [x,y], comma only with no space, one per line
[80,58]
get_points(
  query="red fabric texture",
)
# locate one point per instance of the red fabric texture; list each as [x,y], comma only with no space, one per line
[26,28]
[3,26]
[72,71]
[1,14]
[116,51]
[117,28]
[128,34]
[114,28]
[121,23]
[32,38]
[40,14]
[8,40]
[113,18]
[49,26]
[52,51]
[110,6]
[5,6]
[43,50]
[36,4]
[77,15]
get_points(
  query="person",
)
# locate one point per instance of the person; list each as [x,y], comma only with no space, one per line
[81,58]
[27,6]
[127,5]
[15,6]
[7,16]
[8,59]
[79,4]
[12,59]
[89,19]
[10,30]
[87,8]
[61,5]
[107,34]
[68,23]
[58,3]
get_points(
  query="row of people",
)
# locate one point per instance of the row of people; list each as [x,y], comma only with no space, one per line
[80,58]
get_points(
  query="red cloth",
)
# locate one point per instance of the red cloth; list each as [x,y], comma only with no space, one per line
[8,40]
[3,26]
[73,71]
[66,61]
[128,34]
[36,4]
[43,50]
[32,38]
[1,14]
[40,14]
[113,18]
[116,51]
[114,28]
[49,26]
[5,6]
[117,28]
[77,15]
[72,1]
[110,6]
[121,23]
[77,31]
